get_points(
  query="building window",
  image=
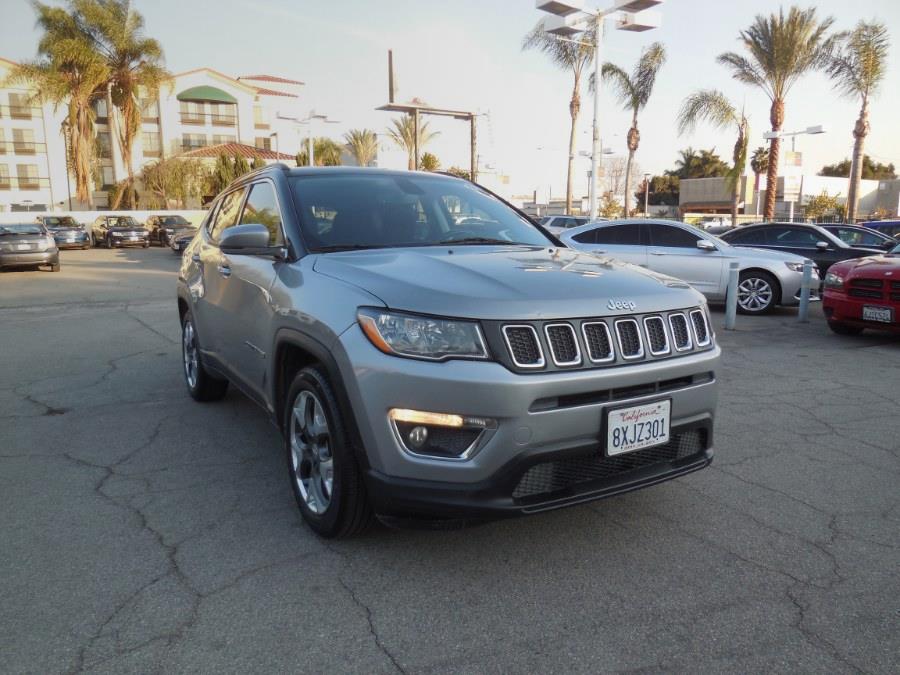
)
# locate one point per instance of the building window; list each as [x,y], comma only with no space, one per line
[23,141]
[19,107]
[100,112]
[191,141]
[219,139]
[104,145]
[259,119]
[191,112]
[28,176]
[263,143]
[2,142]
[150,141]
[4,177]
[222,114]
[150,110]
[107,177]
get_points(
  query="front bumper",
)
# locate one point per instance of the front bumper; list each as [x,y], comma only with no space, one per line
[840,307]
[120,242]
[540,417]
[72,242]
[49,257]
[792,285]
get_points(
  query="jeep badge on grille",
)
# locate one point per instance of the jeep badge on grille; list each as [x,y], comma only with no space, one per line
[621,304]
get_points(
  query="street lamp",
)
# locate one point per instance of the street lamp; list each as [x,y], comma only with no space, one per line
[810,131]
[568,18]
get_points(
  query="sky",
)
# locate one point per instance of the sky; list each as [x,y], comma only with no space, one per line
[466,55]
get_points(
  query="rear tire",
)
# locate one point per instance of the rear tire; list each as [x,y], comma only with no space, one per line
[325,476]
[758,293]
[201,385]
[844,328]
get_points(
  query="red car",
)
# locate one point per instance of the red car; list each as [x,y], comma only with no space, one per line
[863,293]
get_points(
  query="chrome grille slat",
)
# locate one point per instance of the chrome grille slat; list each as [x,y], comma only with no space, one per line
[701,329]
[598,341]
[657,340]
[628,335]
[524,346]
[681,333]
[563,344]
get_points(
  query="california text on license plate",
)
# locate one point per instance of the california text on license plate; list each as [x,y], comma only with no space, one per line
[872,313]
[637,427]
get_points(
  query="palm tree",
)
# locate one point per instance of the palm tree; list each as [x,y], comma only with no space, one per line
[633,90]
[573,56]
[713,107]
[68,71]
[858,69]
[363,145]
[135,65]
[430,162]
[686,164]
[759,163]
[403,134]
[781,48]
[326,152]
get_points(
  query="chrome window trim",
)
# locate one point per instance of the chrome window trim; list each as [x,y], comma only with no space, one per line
[512,354]
[609,337]
[687,327]
[637,328]
[668,349]
[697,340]
[547,327]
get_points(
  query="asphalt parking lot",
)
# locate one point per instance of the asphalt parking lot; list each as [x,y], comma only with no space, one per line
[143,532]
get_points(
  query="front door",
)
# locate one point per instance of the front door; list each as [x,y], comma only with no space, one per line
[673,251]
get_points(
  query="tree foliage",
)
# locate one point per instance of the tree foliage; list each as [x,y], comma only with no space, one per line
[609,206]
[664,191]
[326,152]
[459,173]
[362,144]
[429,162]
[170,182]
[240,166]
[702,164]
[822,205]
[871,170]
[222,174]
[403,132]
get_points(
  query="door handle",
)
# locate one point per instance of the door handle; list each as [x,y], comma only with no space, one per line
[657,253]
[225,271]
[195,258]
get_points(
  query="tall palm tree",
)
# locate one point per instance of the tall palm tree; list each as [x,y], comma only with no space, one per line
[759,164]
[135,65]
[573,56]
[780,49]
[326,152]
[713,107]
[68,71]
[403,133]
[633,90]
[363,145]
[858,69]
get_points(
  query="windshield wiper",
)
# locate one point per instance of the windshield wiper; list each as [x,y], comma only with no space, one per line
[346,247]
[481,240]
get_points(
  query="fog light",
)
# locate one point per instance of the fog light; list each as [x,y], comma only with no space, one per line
[439,435]
[418,436]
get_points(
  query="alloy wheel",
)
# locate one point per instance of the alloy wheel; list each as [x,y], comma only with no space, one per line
[189,352]
[311,456]
[754,294]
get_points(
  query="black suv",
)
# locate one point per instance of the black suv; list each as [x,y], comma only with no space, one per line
[114,231]
[164,228]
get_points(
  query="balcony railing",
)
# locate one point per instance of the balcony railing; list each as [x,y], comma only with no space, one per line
[21,112]
[23,183]
[215,119]
[22,147]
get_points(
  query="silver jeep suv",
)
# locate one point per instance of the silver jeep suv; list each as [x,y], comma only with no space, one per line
[431,354]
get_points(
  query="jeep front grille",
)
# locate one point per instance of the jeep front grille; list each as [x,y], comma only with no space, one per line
[563,344]
[681,334]
[629,336]
[598,341]
[524,346]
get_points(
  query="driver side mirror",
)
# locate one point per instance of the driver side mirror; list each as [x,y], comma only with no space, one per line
[249,239]
[822,245]
[706,245]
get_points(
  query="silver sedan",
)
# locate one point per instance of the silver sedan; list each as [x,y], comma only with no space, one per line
[767,278]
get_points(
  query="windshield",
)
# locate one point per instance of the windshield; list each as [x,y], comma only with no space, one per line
[21,229]
[64,221]
[350,211]
[895,250]
[173,220]
[122,221]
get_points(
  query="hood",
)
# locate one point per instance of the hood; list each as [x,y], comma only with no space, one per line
[503,282]
[763,254]
[64,229]
[870,267]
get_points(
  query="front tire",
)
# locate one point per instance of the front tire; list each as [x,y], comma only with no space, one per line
[757,293]
[844,328]
[325,476]
[109,243]
[200,384]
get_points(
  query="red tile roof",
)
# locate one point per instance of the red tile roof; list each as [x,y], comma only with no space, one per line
[271,92]
[270,78]
[232,149]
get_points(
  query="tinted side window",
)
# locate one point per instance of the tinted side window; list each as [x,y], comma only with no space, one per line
[794,236]
[262,208]
[666,235]
[625,235]
[589,237]
[750,237]
[228,213]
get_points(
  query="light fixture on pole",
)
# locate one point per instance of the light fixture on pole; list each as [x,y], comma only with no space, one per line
[568,18]
[791,196]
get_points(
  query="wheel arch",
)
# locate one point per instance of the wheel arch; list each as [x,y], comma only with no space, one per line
[778,289]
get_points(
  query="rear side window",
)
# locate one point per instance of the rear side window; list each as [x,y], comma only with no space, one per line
[588,237]
[262,208]
[228,213]
[794,236]
[750,237]
[672,237]
[624,235]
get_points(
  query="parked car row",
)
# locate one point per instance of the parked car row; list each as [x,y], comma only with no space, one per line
[117,230]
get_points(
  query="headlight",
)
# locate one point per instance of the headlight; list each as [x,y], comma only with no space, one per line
[49,242]
[833,280]
[422,337]
[794,266]
[169,230]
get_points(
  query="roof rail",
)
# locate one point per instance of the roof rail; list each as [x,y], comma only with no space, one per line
[281,166]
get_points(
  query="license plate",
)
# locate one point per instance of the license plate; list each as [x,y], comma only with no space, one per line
[880,314]
[23,247]
[637,427]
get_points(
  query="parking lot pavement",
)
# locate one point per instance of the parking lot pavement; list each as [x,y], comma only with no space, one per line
[140,531]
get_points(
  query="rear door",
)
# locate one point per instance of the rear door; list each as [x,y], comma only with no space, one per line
[673,251]
[246,304]
[626,242]
[803,241]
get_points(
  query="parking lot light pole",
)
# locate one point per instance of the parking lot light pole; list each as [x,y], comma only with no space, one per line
[570,18]
[811,131]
